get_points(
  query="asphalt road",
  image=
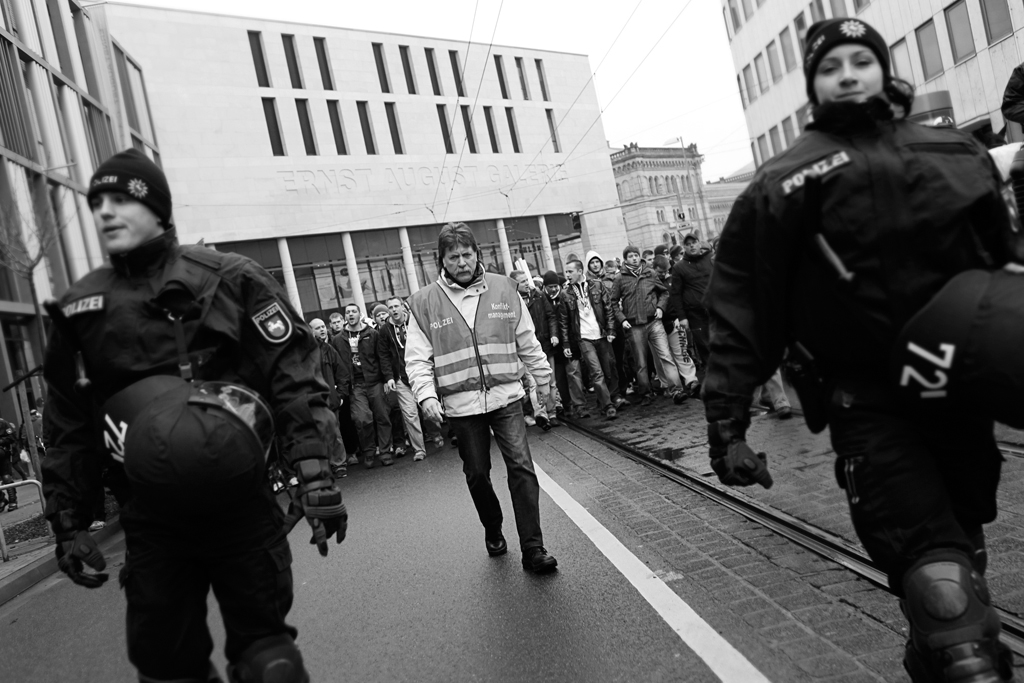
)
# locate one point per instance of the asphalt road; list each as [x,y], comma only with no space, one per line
[410,596]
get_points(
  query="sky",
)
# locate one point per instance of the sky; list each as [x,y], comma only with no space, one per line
[662,67]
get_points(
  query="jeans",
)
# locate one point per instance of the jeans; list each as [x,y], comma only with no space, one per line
[776,392]
[653,334]
[411,417]
[700,335]
[590,349]
[684,364]
[369,409]
[570,385]
[913,483]
[338,455]
[474,434]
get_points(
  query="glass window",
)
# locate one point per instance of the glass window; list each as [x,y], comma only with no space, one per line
[522,78]
[512,128]
[928,45]
[446,133]
[743,92]
[467,123]
[453,55]
[499,66]
[306,125]
[901,61]
[553,130]
[410,78]
[748,80]
[292,57]
[787,130]
[860,4]
[817,10]
[748,9]
[838,8]
[800,23]
[382,67]
[762,146]
[53,8]
[801,116]
[334,113]
[435,82]
[960,38]
[788,56]
[256,45]
[996,15]
[273,127]
[325,64]
[491,132]
[542,79]
[773,134]
[762,77]
[396,131]
[753,153]
[773,62]
[367,125]
[734,12]
[81,33]
[126,88]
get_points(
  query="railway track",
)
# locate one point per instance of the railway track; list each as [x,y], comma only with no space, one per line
[826,545]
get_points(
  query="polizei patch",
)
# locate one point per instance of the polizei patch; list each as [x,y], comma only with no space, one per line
[818,169]
[83,305]
[273,323]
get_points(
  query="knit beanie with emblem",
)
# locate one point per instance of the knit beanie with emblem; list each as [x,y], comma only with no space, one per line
[822,36]
[550,278]
[133,173]
[378,309]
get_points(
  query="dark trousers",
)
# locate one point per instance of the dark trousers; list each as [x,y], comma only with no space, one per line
[370,413]
[625,373]
[167,578]
[914,483]
[474,434]
[700,335]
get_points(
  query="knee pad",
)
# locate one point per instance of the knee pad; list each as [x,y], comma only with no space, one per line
[270,660]
[954,630]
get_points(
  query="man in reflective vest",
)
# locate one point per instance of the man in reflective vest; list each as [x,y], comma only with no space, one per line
[468,340]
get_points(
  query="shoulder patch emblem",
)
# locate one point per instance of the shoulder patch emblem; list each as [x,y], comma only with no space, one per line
[819,169]
[274,324]
[83,305]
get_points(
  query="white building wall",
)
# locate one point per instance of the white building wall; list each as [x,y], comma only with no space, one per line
[228,186]
[975,84]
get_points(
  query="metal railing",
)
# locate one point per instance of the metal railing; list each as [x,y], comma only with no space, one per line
[4,553]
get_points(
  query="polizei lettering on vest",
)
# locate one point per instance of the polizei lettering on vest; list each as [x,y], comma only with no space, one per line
[89,303]
[816,170]
[438,324]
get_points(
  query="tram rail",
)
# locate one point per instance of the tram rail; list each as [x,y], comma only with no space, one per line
[824,544]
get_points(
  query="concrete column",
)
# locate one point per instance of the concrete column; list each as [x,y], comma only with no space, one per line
[410,267]
[545,244]
[353,272]
[289,273]
[506,253]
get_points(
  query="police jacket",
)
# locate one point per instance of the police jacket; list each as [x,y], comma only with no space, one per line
[238,327]
[689,282]
[333,372]
[369,347]
[392,352]
[637,294]
[904,207]
[545,322]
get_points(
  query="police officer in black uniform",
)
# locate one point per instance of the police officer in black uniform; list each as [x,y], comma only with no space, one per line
[833,247]
[174,360]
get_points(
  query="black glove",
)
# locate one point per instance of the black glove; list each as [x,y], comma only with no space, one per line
[318,500]
[76,547]
[736,463]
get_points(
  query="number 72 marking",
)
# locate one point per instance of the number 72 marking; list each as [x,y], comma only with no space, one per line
[934,387]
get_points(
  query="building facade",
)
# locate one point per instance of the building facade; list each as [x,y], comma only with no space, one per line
[70,96]
[965,47]
[334,156]
[662,195]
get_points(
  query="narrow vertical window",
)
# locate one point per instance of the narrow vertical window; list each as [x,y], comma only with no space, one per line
[325,64]
[960,37]
[53,8]
[743,93]
[511,116]
[306,125]
[776,139]
[453,55]
[542,79]
[762,146]
[748,80]
[901,61]
[292,57]
[396,133]
[499,66]
[788,56]
[435,82]
[787,131]
[817,10]
[382,67]
[800,23]
[839,9]
[491,132]
[773,62]
[273,128]
[928,44]
[996,15]
[410,78]
[446,133]
[126,88]
[522,78]
[334,113]
[81,33]
[553,130]
[467,123]
[367,126]
[762,75]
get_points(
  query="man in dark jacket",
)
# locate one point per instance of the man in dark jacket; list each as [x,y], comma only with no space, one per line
[639,300]
[676,333]
[565,358]
[546,325]
[611,352]
[689,282]
[1013,96]
[396,381]
[592,328]
[358,345]
[334,372]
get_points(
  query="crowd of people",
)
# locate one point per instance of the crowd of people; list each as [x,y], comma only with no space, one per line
[14,455]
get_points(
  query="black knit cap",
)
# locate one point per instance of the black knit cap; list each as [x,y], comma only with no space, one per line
[551,278]
[822,36]
[133,173]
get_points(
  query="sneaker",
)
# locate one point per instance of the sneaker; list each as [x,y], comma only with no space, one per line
[529,421]
[455,441]
[439,441]
[646,400]
[419,456]
[339,471]
[352,460]
[97,525]
[620,403]
[544,423]
[399,451]
[293,481]
[537,561]
[693,389]
[679,396]
[609,413]
[553,422]
[582,414]
[386,460]
[12,506]
[784,413]
[370,462]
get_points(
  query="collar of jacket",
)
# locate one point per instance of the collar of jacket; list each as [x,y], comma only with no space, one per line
[637,273]
[851,118]
[451,283]
[698,257]
[148,257]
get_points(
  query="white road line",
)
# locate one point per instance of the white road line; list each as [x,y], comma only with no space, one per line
[722,658]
